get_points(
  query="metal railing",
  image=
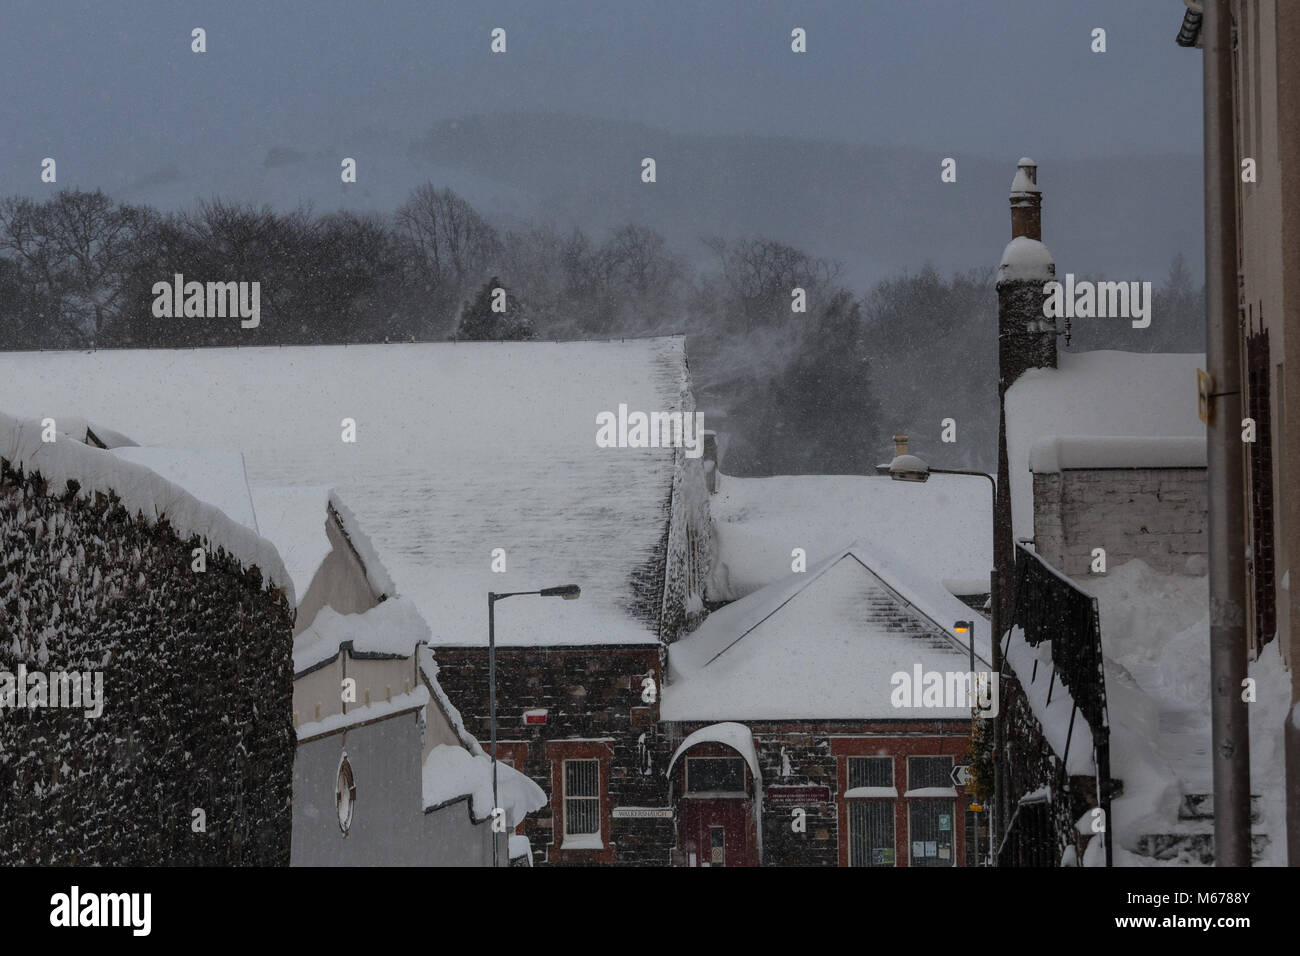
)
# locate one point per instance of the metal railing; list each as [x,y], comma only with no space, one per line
[1051,607]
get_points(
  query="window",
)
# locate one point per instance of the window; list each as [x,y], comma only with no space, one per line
[923,772]
[345,793]
[871,772]
[715,775]
[582,798]
[930,822]
[930,832]
[871,832]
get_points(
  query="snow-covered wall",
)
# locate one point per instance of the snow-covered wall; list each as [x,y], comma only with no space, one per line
[197,677]
[1157,514]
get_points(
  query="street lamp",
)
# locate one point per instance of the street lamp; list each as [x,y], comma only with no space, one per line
[967,628]
[909,467]
[570,592]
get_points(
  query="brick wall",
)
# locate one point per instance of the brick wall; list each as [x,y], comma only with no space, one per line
[595,711]
[197,691]
[593,696]
[1156,514]
[816,753]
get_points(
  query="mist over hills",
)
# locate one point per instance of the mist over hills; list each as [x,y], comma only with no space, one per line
[878,210]
[903,336]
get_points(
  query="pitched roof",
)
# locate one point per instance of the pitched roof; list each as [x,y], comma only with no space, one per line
[461,449]
[217,477]
[1099,395]
[294,519]
[822,645]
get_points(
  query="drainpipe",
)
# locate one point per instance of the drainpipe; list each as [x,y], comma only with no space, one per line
[1230,752]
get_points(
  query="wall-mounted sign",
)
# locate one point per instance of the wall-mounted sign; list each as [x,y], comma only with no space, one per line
[641,813]
[786,796]
[537,716]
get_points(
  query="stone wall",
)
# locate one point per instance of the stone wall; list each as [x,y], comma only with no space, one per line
[197,688]
[1156,514]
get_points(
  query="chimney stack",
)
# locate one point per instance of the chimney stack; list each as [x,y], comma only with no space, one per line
[1026,340]
[900,446]
[1026,202]
[1026,337]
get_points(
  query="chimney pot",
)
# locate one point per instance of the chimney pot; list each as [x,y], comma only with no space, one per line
[900,445]
[1026,201]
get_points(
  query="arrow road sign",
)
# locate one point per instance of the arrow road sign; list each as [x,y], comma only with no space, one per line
[960,775]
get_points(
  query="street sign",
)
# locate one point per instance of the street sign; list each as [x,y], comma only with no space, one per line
[780,795]
[643,813]
[960,774]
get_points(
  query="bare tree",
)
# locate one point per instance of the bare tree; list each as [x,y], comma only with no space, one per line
[76,250]
[759,275]
[453,243]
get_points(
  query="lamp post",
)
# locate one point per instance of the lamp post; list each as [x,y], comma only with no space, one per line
[909,467]
[570,592]
[968,628]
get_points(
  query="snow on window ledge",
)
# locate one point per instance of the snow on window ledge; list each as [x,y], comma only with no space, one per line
[878,793]
[582,841]
[932,792]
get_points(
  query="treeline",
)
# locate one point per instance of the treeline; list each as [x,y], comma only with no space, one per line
[797,383]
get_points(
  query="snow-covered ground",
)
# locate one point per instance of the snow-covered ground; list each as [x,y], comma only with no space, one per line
[1155,635]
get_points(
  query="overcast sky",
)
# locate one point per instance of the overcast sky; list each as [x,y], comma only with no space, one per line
[114,88]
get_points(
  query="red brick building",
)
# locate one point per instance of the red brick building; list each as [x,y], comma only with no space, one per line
[803,733]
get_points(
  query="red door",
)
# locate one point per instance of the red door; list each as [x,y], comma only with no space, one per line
[717,832]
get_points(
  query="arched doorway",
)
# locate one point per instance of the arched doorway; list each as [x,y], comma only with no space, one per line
[717,794]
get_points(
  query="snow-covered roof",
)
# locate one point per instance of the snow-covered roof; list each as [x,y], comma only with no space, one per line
[1103,394]
[364,714]
[217,477]
[734,735]
[294,519]
[391,628]
[945,524]
[461,449]
[823,644]
[142,491]
[452,772]
[377,576]
[89,432]
[1053,453]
